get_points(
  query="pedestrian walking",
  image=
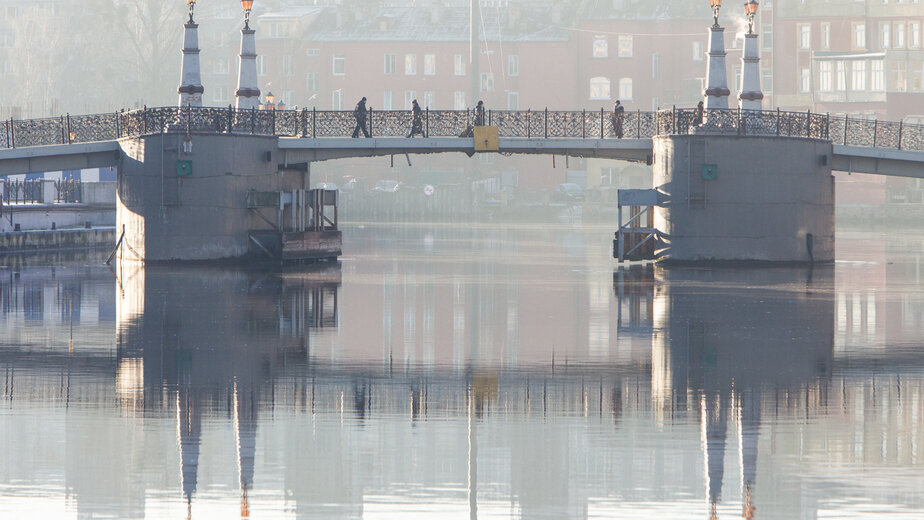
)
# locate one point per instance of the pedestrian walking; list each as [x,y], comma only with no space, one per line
[698,118]
[416,120]
[479,113]
[619,113]
[360,113]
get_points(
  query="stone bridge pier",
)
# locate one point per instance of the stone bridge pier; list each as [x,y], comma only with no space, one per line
[745,198]
[185,197]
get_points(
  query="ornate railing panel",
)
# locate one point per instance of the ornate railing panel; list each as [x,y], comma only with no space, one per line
[453,123]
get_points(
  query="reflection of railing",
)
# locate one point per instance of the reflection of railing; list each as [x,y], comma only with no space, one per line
[581,124]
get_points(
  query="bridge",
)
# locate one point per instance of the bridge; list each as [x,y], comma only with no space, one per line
[225,168]
[90,141]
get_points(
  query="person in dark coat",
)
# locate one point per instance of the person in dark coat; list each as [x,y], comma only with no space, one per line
[360,114]
[698,118]
[416,120]
[619,113]
[479,113]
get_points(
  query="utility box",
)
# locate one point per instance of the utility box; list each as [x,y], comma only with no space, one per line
[486,139]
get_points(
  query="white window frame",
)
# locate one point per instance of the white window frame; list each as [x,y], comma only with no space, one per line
[513,65]
[410,64]
[458,65]
[513,100]
[338,58]
[600,88]
[458,100]
[429,64]
[600,47]
[625,46]
[625,89]
[389,64]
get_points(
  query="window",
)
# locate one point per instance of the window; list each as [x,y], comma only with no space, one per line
[885,38]
[513,65]
[805,80]
[826,35]
[287,97]
[900,76]
[601,47]
[409,97]
[312,52]
[312,82]
[858,76]
[624,49]
[220,94]
[410,64]
[766,37]
[288,67]
[339,65]
[805,36]
[336,100]
[824,76]
[625,89]
[914,34]
[899,35]
[859,35]
[458,100]
[655,65]
[390,61]
[278,30]
[487,82]
[429,64]
[876,76]
[767,81]
[429,99]
[458,65]
[261,65]
[513,101]
[917,76]
[221,66]
[388,100]
[697,51]
[599,88]
[840,75]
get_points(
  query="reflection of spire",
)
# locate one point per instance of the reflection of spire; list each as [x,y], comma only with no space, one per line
[245,429]
[189,431]
[714,420]
[749,428]
[472,456]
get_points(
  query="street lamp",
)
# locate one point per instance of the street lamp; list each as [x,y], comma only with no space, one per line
[750,8]
[247,5]
[716,5]
[192,5]
[270,101]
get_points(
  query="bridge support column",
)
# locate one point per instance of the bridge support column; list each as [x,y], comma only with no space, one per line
[190,78]
[744,198]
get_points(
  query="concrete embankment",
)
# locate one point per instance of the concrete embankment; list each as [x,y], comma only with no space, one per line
[57,240]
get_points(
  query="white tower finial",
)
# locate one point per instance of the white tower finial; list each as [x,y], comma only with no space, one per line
[190,79]
[248,93]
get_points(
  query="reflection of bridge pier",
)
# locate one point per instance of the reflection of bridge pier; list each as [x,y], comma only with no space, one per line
[723,338]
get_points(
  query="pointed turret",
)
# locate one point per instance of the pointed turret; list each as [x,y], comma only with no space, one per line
[190,78]
[248,93]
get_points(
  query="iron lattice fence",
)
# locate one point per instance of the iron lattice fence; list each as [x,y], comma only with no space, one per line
[453,123]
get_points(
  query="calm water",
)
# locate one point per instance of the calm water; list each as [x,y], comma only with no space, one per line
[446,372]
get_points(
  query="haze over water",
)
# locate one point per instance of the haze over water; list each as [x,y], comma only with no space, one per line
[482,371]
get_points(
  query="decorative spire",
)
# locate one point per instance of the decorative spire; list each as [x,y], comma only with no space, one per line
[190,90]
[248,93]
[750,97]
[717,87]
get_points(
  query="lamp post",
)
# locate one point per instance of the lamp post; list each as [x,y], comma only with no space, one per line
[717,92]
[248,93]
[750,96]
[190,90]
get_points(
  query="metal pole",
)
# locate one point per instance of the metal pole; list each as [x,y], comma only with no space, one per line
[371,122]
[144,118]
[808,124]
[314,122]
[901,128]
[673,119]
[777,121]
[303,122]
[63,131]
[230,118]
[584,123]
[638,123]
[546,122]
[827,125]
[253,120]
[274,120]
[188,115]
[118,119]
[602,117]
[490,117]
[12,133]
[527,123]
[846,121]
[875,132]
[68,128]
[739,120]
[428,120]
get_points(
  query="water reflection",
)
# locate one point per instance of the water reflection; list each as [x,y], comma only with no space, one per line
[509,385]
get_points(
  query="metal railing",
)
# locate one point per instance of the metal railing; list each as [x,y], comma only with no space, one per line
[452,123]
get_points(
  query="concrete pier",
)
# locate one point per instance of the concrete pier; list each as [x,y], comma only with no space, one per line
[743,198]
[189,197]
